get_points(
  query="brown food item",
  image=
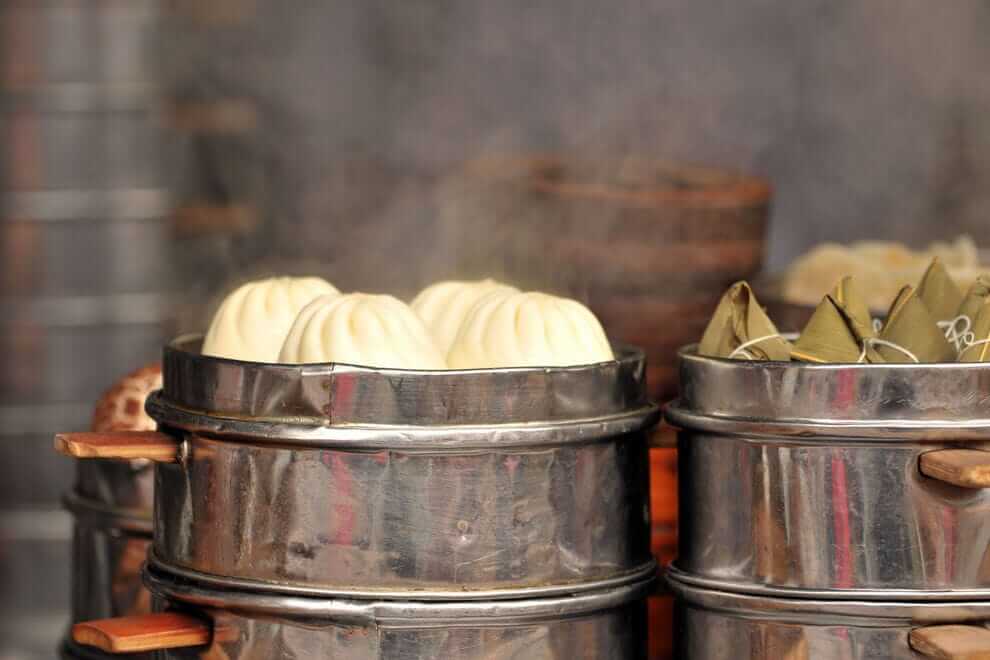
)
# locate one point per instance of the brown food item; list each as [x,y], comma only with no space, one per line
[121,408]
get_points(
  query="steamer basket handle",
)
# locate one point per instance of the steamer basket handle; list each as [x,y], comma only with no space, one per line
[951,642]
[124,445]
[146,632]
[967,468]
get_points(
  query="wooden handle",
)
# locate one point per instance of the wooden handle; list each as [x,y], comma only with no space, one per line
[152,445]
[952,642]
[148,632]
[969,468]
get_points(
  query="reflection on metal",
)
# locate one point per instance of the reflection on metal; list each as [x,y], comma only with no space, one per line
[803,480]
[339,480]
[110,544]
[605,624]
[712,625]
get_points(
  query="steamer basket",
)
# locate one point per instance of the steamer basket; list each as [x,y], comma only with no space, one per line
[82,150]
[60,42]
[52,363]
[714,625]
[860,482]
[109,546]
[606,625]
[38,268]
[366,483]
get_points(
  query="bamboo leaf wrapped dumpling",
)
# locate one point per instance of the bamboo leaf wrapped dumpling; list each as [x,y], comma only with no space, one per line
[361,329]
[975,298]
[443,306]
[506,329]
[839,330]
[252,322]
[740,329]
[910,333]
[977,347]
[938,291]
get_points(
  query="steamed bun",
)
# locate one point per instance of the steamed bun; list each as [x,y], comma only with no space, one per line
[252,322]
[528,330]
[444,305]
[362,329]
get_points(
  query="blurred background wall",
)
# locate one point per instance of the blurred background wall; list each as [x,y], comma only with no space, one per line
[869,118]
[325,136]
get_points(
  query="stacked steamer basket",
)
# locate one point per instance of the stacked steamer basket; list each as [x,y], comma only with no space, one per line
[832,511]
[111,505]
[332,511]
[641,241]
[84,259]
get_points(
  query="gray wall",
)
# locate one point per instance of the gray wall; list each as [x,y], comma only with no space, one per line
[871,118]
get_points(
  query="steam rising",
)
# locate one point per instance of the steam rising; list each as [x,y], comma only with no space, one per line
[870,118]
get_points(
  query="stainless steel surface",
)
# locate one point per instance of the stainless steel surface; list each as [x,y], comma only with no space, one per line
[43,265]
[321,404]
[713,625]
[82,150]
[69,650]
[609,624]
[69,364]
[122,490]
[61,41]
[803,481]
[435,485]
[108,549]
[107,567]
[894,402]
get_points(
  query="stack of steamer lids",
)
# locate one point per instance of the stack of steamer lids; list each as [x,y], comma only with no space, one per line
[84,258]
[829,508]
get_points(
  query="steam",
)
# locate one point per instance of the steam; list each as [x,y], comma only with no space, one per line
[868,117]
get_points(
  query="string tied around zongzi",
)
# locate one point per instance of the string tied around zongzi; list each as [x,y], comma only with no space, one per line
[870,342]
[958,331]
[741,330]
[741,351]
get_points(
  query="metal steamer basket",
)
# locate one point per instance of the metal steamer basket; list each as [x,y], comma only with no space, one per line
[198,621]
[109,546]
[865,482]
[509,492]
[712,625]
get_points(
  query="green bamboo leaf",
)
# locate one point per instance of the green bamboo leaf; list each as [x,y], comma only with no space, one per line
[979,348]
[975,298]
[912,331]
[740,329]
[939,293]
[838,328]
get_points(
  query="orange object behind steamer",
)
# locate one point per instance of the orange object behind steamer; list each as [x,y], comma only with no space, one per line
[663,513]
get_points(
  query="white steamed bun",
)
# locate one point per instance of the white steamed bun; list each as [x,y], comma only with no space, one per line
[444,305]
[528,330]
[252,322]
[362,329]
